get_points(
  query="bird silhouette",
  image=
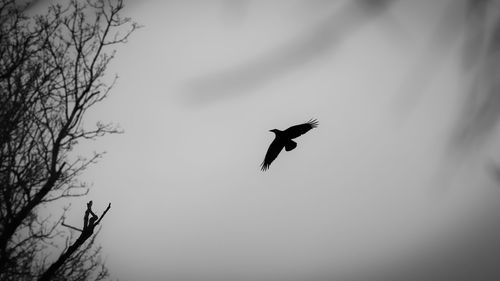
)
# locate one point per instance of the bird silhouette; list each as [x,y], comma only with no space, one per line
[284,139]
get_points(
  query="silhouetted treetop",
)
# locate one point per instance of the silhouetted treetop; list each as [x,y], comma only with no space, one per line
[52,71]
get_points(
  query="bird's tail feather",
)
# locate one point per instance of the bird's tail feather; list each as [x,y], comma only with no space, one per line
[290,145]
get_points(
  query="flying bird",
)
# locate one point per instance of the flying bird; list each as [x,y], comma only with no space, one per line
[284,139]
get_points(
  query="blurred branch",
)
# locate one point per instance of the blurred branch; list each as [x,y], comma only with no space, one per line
[311,45]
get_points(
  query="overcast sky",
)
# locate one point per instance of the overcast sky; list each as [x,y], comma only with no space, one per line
[377,192]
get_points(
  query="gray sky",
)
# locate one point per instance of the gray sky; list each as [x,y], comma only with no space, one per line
[373,193]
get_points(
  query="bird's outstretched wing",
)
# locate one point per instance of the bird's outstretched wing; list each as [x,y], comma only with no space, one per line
[272,152]
[298,130]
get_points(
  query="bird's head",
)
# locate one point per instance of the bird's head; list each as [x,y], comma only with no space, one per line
[274,131]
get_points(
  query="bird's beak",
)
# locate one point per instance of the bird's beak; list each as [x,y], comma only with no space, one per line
[270,130]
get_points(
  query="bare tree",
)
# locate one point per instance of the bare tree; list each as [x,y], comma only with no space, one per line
[52,70]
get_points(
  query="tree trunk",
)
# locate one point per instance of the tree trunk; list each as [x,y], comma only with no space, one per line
[51,271]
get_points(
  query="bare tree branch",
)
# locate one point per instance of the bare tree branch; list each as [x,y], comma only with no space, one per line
[52,71]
